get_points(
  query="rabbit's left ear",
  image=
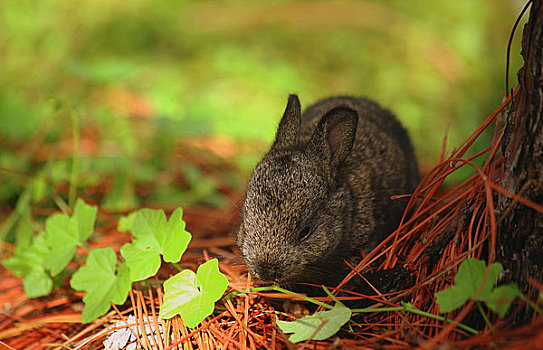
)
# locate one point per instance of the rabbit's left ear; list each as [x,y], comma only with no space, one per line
[334,136]
[289,126]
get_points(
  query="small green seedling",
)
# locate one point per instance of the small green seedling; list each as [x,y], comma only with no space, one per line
[106,280]
[48,253]
[319,326]
[189,294]
[27,262]
[469,279]
[193,295]
[154,237]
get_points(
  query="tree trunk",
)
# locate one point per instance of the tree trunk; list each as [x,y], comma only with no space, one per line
[520,235]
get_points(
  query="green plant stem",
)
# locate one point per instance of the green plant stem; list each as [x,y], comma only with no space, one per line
[306,298]
[61,204]
[531,303]
[22,203]
[409,308]
[485,318]
[405,307]
[331,295]
[75,159]
[276,288]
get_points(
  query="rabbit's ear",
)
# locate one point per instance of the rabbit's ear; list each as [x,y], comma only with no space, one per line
[334,136]
[289,126]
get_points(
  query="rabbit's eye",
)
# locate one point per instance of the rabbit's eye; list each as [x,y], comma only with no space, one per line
[304,233]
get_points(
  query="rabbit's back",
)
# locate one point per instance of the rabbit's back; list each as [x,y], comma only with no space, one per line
[373,121]
[382,164]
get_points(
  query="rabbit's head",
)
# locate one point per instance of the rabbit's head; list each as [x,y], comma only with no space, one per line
[296,219]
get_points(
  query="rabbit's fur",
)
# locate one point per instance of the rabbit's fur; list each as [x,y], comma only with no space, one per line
[322,192]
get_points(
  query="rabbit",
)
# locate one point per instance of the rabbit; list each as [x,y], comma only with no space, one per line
[322,192]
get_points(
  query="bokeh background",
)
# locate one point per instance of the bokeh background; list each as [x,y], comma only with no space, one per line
[146,94]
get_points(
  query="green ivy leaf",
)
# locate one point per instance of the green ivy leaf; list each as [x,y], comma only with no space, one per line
[37,284]
[193,296]
[64,234]
[154,236]
[142,261]
[501,297]
[307,327]
[85,216]
[469,277]
[28,262]
[103,286]
[125,222]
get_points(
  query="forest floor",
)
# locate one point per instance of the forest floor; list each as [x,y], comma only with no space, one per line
[445,226]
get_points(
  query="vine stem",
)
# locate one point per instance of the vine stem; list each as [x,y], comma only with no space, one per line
[276,288]
[409,308]
[406,307]
[74,174]
[530,303]
[485,318]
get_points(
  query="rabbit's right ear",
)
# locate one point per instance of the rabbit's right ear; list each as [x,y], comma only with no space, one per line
[289,126]
[334,136]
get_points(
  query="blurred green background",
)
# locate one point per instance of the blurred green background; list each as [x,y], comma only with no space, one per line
[140,84]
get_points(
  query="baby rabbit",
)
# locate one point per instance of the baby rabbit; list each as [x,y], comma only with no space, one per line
[322,192]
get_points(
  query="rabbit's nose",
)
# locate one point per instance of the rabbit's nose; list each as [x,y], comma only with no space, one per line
[267,271]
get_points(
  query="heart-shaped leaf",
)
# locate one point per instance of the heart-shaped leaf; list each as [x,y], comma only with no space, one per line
[64,234]
[319,326]
[154,237]
[103,286]
[193,296]
[468,280]
[501,297]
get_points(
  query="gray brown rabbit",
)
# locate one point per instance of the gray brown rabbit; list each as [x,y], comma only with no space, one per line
[322,192]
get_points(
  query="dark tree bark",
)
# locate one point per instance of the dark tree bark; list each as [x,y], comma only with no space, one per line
[520,234]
